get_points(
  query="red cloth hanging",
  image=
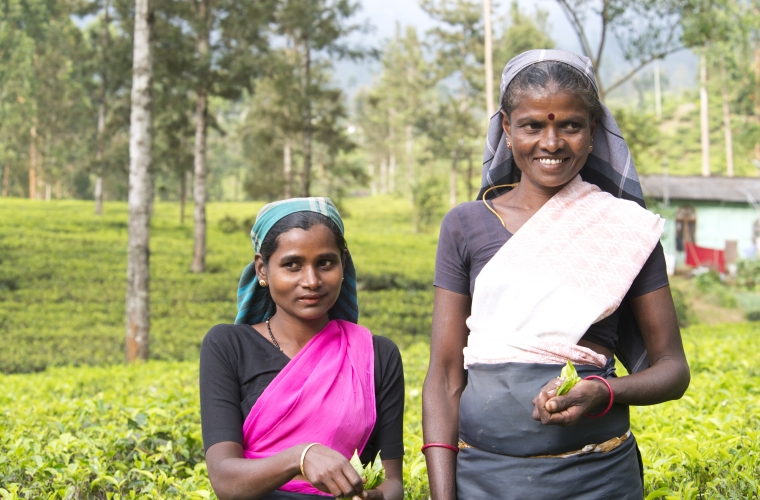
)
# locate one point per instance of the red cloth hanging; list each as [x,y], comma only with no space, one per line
[701,256]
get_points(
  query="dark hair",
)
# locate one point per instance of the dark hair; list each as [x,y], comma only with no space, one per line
[561,76]
[297,220]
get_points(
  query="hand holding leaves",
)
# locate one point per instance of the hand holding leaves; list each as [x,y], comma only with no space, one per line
[570,377]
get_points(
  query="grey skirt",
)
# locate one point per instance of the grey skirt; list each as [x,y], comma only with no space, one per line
[495,418]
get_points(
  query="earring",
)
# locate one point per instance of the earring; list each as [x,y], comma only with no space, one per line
[263,283]
[591,148]
[509,145]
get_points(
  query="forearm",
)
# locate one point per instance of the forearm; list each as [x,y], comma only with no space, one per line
[440,424]
[236,478]
[665,380]
[393,487]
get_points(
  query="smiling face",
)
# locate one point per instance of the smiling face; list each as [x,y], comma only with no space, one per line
[305,273]
[550,132]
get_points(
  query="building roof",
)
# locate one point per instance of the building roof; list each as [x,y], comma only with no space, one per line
[730,189]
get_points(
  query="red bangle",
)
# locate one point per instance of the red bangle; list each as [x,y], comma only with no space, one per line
[612,396]
[439,445]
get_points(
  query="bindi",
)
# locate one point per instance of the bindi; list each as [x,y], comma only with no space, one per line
[551,116]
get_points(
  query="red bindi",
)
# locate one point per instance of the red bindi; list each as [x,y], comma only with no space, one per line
[551,116]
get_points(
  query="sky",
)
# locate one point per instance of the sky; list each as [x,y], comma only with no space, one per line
[679,68]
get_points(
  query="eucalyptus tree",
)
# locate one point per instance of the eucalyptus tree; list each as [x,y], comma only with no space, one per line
[109,66]
[228,39]
[317,30]
[458,41]
[406,82]
[140,188]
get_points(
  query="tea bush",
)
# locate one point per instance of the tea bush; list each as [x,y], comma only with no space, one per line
[62,279]
[125,432]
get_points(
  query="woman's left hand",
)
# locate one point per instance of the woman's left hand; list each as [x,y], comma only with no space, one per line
[567,409]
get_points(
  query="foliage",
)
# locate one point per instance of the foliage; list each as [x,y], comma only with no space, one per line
[135,430]
[748,274]
[683,311]
[62,288]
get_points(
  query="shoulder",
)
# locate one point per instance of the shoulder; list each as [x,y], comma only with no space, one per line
[387,357]
[226,339]
[463,211]
[385,347]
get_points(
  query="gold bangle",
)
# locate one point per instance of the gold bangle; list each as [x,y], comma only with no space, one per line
[303,455]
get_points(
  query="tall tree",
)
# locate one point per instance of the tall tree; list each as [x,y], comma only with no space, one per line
[224,66]
[317,28]
[459,44]
[140,189]
[103,106]
[488,56]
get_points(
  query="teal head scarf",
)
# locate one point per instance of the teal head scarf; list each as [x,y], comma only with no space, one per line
[251,293]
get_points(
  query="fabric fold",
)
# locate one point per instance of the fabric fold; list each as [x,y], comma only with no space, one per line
[569,266]
[325,395]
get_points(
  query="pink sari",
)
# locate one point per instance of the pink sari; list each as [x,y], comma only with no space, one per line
[325,395]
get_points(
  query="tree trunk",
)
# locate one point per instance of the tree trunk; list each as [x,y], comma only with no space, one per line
[704,116]
[201,121]
[453,176]
[383,176]
[102,109]
[6,179]
[372,181]
[48,190]
[757,79]
[138,255]
[287,168]
[469,175]
[182,197]
[490,109]
[33,162]
[727,124]
[657,90]
[391,152]
[99,154]
[58,189]
[306,119]
[410,160]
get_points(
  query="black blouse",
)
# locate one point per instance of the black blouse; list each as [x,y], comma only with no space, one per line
[237,364]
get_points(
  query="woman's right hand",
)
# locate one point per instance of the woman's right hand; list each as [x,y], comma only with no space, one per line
[329,471]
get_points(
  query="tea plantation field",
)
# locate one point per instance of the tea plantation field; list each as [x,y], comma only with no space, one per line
[114,432]
[63,278]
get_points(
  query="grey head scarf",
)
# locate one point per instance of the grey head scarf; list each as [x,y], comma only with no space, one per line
[610,167]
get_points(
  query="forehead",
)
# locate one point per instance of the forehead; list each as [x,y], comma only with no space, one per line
[550,100]
[317,239]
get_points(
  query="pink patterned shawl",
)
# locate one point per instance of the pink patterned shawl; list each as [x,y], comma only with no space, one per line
[325,394]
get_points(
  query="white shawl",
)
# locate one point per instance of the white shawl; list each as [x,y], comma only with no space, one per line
[566,268]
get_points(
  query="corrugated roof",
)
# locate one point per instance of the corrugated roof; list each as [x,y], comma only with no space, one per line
[733,189]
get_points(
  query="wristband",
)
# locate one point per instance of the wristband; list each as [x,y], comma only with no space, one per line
[439,445]
[303,455]
[612,396]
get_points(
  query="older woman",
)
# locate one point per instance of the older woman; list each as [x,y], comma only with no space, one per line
[558,260]
[295,386]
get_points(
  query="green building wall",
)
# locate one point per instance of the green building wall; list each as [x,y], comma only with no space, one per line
[716,223]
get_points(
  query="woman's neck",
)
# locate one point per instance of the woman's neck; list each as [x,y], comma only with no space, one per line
[293,333]
[531,197]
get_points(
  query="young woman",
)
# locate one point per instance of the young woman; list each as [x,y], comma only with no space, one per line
[557,260]
[295,386]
